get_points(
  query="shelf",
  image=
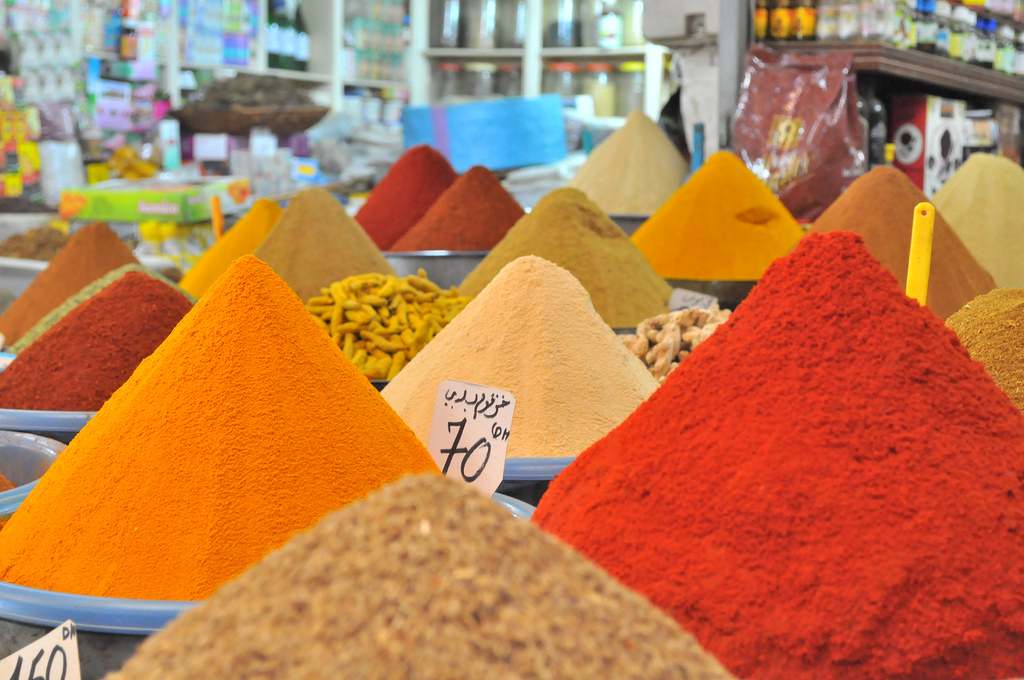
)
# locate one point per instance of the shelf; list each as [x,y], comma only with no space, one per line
[304,76]
[592,53]
[472,53]
[375,84]
[921,67]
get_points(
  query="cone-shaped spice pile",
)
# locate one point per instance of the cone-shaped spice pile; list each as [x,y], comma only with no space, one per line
[991,327]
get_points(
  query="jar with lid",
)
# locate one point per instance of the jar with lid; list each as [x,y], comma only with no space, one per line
[562,23]
[957,34]
[805,20]
[447,82]
[448,27]
[481,23]
[828,20]
[761,20]
[1018,62]
[598,83]
[631,87]
[927,26]
[781,19]
[633,22]
[479,78]
[986,49]
[609,27]
[512,23]
[560,79]
[588,15]
[1007,52]
[849,20]
[944,33]
[510,80]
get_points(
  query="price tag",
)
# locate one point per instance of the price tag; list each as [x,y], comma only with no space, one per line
[52,657]
[470,431]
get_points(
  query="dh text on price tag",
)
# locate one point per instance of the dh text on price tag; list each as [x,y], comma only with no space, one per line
[52,657]
[470,431]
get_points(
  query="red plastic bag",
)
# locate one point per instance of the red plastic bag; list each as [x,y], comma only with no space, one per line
[797,127]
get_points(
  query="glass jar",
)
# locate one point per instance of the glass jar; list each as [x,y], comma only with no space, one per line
[598,83]
[927,26]
[761,20]
[805,20]
[631,87]
[633,22]
[447,82]
[781,19]
[849,20]
[560,79]
[510,80]
[481,21]
[479,79]
[1007,53]
[589,14]
[609,27]
[449,22]
[512,23]
[562,24]
[828,20]
[944,32]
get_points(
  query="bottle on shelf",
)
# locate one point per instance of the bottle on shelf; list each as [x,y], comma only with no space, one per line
[849,20]
[609,27]
[878,131]
[562,23]
[1018,62]
[589,15]
[512,23]
[986,49]
[449,33]
[301,42]
[560,79]
[944,33]
[927,26]
[274,19]
[805,20]
[828,20]
[761,21]
[905,35]
[781,19]
[633,22]
[481,23]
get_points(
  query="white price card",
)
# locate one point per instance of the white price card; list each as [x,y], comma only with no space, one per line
[52,657]
[470,431]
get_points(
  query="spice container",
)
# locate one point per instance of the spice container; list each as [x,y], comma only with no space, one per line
[481,23]
[598,83]
[560,78]
[512,23]
[631,87]
[479,79]
[447,83]
[805,20]
[510,80]
[562,24]
[781,19]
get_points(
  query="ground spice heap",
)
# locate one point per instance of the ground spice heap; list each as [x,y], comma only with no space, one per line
[981,202]
[880,207]
[991,327]
[724,224]
[238,431]
[90,253]
[566,228]
[837,495]
[78,363]
[5,485]
[634,171]
[380,322]
[404,195]
[533,332]
[474,213]
[432,577]
[39,243]
[243,238]
[316,242]
[60,311]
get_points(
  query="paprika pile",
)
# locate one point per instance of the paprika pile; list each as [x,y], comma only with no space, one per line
[90,253]
[245,426]
[474,213]
[833,493]
[880,207]
[404,195]
[78,363]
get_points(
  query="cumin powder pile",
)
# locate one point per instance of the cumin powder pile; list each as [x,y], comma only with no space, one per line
[991,327]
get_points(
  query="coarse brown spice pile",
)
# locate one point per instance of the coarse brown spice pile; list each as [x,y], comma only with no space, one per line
[423,579]
[991,327]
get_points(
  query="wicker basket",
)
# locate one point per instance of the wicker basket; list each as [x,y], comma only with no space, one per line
[239,120]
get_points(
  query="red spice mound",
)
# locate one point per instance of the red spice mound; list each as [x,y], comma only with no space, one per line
[829,487]
[473,214]
[405,194]
[83,359]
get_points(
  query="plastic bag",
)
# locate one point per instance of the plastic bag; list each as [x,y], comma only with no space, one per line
[797,127]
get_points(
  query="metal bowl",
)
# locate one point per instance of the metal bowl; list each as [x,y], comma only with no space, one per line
[59,425]
[24,458]
[729,293]
[446,268]
[629,223]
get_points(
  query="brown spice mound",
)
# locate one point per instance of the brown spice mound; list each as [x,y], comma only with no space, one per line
[880,207]
[5,484]
[425,578]
[991,327]
[41,243]
[90,253]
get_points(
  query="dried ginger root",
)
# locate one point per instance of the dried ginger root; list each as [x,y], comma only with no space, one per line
[663,341]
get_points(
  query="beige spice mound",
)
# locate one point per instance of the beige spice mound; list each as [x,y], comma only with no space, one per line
[991,327]
[533,332]
[424,579]
[634,170]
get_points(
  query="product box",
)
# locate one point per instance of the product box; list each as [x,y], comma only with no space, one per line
[928,133]
[498,134]
[154,199]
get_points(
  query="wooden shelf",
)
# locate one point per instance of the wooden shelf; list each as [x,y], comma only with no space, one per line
[922,67]
[374,83]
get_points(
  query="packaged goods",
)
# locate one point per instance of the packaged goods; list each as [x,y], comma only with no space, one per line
[991,327]
[828,487]
[663,341]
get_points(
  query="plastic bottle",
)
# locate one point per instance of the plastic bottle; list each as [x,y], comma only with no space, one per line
[944,34]
[609,27]
[927,26]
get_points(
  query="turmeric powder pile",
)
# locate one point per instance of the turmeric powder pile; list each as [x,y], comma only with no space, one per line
[380,321]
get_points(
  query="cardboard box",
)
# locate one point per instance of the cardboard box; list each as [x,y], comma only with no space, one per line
[928,133]
[154,199]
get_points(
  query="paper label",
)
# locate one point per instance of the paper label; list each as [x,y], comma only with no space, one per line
[209,146]
[470,431]
[52,657]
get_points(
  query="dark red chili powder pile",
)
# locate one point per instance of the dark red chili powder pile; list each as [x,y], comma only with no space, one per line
[473,214]
[84,358]
[410,187]
[828,487]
